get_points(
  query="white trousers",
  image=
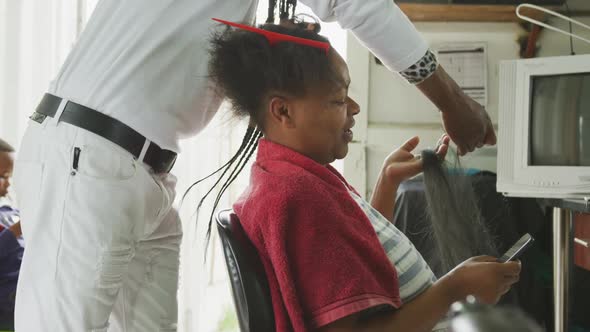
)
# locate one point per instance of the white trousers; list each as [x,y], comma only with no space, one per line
[101,239]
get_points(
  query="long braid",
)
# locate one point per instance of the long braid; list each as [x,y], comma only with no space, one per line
[246,138]
[272,5]
[245,142]
[246,155]
[293,4]
[283,9]
[226,167]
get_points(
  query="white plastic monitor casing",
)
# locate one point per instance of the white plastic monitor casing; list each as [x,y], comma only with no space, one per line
[515,176]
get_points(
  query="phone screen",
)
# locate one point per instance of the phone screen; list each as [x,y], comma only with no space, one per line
[517,249]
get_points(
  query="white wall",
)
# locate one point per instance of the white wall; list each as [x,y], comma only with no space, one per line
[395,111]
[554,44]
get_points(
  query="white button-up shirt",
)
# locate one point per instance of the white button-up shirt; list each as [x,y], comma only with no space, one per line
[144,62]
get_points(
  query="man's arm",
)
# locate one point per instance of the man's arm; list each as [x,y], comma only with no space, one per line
[466,121]
[380,25]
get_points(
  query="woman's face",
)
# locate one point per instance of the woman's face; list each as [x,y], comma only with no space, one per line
[323,119]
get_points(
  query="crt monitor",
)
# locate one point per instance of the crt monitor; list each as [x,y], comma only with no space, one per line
[544,127]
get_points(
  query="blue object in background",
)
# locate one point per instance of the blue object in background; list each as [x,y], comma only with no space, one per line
[11,253]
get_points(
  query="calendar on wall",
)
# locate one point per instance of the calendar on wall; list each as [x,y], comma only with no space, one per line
[467,64]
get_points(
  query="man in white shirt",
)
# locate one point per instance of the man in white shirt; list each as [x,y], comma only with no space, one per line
[93,169]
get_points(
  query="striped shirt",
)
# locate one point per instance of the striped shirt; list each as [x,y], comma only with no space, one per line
[414,274]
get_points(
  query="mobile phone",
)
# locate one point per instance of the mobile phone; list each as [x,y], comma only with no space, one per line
[517,249]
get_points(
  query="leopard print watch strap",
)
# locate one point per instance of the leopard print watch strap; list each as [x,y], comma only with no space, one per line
[422,69]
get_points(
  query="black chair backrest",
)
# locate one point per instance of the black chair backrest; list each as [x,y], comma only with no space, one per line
[248,280]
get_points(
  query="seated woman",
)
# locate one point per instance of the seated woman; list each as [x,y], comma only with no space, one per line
[334,262]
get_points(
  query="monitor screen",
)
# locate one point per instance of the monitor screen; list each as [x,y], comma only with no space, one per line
[560,120]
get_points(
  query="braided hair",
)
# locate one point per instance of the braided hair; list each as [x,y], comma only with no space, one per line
[286,9]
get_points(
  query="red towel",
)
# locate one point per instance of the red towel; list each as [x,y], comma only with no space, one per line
[322,257]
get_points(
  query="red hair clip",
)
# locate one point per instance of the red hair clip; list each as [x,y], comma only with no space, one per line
[275,37]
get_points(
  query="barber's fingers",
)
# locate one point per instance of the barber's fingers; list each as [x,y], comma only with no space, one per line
[490,137]
[469,146]
[463,149]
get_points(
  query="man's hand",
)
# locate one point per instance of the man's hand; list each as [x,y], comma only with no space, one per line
[466,121]
[469,126]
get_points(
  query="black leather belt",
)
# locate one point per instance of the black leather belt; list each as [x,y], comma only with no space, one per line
[160,160]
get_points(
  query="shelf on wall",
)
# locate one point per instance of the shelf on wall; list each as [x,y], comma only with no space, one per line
[466,13]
